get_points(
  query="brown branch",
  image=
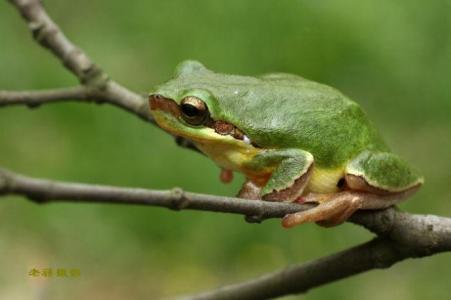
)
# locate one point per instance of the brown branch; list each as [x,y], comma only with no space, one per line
[299,278]
[35,98]
[96,86]
[403,236]
[400,235]
[43,191]
[100,86]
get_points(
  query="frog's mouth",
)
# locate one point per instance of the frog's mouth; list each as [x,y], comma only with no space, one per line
[163,109]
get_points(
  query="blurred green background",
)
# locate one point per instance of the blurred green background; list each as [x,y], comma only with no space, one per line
[393,57]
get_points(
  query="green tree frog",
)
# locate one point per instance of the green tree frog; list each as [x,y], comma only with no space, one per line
[292,138]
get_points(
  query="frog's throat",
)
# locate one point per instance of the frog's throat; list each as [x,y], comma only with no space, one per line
[170,107]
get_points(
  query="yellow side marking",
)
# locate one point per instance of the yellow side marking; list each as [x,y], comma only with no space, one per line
[324,180]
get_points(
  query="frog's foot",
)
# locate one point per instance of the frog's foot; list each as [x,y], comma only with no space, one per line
[290,174]
[250,191]
[333,209]
[226,176]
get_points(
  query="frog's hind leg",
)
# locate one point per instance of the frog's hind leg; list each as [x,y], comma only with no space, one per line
[382,173]
[373,180]
[334,209]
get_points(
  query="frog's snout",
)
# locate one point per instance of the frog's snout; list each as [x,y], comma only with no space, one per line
[158,102]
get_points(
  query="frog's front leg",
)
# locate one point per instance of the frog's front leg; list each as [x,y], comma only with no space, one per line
[250,191]
[291,169]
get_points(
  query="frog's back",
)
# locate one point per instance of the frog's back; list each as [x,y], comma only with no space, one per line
[285,110]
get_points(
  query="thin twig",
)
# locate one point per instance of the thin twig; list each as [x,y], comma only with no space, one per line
[96,86]
[35,98]
[49,35]
[43,191]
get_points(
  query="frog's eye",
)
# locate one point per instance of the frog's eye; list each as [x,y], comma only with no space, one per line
[194,111]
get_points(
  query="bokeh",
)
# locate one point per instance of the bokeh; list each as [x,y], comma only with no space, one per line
[393,57]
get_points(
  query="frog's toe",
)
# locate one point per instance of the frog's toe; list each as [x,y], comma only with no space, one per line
[250,191]
[341,215]
[328,213]
[226,176]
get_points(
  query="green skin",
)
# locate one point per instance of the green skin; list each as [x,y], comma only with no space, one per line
[296,122]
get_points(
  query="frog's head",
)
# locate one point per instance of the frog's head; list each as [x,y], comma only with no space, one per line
[189,106]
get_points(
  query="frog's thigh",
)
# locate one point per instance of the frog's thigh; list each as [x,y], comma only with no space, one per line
[290,176]
[384,172]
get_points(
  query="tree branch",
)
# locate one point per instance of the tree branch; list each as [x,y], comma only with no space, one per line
[400,235]
[35,98]
[403,236]
[300,278]
[98,85]
[43,191]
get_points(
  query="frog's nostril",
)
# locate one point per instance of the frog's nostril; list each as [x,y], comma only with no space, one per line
[152,103]
[154,99]
[161,103]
